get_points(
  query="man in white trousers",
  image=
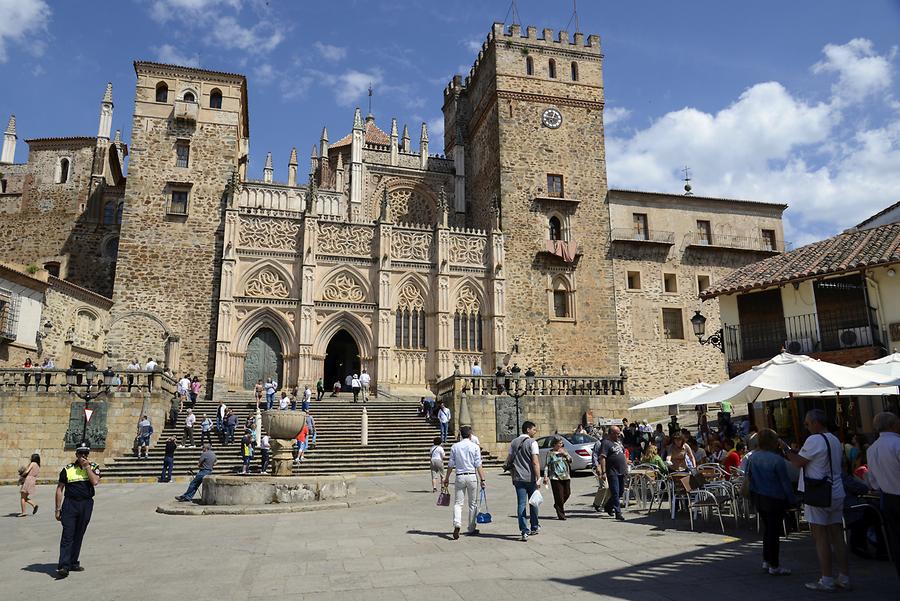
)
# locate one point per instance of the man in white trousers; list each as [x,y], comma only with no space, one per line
[465,458]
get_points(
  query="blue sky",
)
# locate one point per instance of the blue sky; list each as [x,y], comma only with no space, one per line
[771,100]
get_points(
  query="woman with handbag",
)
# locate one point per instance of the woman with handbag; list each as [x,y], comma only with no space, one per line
[28,481]
[823,499]
[558,470]
[766,481]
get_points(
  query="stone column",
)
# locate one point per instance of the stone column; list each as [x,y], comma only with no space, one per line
[497,343]
[306,328]
[173,353]
[223,375]
[382,324]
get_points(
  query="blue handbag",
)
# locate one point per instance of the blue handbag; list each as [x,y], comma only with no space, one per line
[483,516]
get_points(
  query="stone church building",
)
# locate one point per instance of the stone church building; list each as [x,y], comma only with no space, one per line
[506,248]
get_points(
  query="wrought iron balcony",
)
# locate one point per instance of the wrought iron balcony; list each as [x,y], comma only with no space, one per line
[803,334]
[735,242]
[625,234]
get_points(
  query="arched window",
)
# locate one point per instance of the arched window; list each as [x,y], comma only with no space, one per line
[111,248]
[562,300]
[215,99]
[529,66]
[162,92]
[552,68]
[410,316]
[119,209]
[109,213]
[189,97]
[467,324]
[555,229]
[574,71]
[63,171]
[52,268]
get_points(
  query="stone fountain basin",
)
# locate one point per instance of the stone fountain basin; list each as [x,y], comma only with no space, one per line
[283,424]
[221,489]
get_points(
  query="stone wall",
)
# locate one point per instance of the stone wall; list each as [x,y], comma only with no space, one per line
[37,422]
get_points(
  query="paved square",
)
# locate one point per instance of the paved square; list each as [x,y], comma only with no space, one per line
[397,550]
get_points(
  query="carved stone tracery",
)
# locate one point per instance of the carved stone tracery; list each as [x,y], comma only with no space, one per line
[267,284]
[345,240]
[467,301]
[410,298]
[259,232]
[468,250]
[411,246]
[344,288]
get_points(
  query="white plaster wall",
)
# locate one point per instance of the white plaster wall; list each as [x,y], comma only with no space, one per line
[887,293]
[30,308]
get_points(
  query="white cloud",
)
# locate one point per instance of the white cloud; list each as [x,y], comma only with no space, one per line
[264,73]
[473,44]
[616,114]
[351,86]
[436,135]
[861,71]
[825,160]
[165,10]
[260,38]
[170,55]
[20,20]
[329,52]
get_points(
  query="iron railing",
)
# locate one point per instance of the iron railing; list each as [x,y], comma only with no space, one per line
[627,234]
[715,240]
[803,334]
[9,317]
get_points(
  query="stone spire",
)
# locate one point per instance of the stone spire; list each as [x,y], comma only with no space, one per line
[323,143]
[442,206]
[268,171]
[292,168]
[340,162]
[356,149]
[395,156]
[357,119]
[423,147]
[313,159]
[9,141]
[117,142]
[405,138]
[118,139]
[339,174]
[106,113]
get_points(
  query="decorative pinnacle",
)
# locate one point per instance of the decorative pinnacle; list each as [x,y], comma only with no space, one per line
[268,164]
[324,137]
[11,126]
[424,136]
[393,128]
[340,162]
[293,160]
[107,96]
[118,138]
[405,132]
[357,119]
[315,152]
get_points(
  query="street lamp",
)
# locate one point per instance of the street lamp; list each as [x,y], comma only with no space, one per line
[514,388]
[90,372]
[716,339]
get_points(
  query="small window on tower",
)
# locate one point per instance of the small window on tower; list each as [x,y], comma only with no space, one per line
[52,268]
[555,229]
[574,71]
[189,97]
[162,92]
[554,186]
[670,282]
[215,99]
[182,153]
[552,69]
[178,202]
[529,66]
[63,171]
[2,186]
[702,283]
[633,280]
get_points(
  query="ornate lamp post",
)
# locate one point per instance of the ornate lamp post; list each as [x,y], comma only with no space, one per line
[90,372]
[514,386]
[716,339]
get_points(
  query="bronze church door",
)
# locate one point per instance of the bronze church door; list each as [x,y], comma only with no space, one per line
[264,358]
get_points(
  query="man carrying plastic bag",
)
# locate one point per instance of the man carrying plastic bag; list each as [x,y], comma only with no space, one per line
[525,465]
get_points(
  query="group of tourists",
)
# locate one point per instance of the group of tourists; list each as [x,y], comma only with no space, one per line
[358,384]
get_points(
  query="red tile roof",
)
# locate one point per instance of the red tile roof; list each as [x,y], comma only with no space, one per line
[850,251]
[374,135]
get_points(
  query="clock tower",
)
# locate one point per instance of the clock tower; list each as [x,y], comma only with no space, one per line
[526,128]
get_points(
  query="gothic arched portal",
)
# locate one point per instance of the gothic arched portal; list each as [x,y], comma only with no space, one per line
[341,358]
[264,358]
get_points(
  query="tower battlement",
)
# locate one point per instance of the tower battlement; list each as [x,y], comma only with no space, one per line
[511,37]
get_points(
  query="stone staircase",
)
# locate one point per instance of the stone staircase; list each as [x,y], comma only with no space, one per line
[399,440]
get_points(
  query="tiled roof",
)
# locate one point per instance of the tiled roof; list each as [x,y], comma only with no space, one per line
[374,135]
[668,195]
[850,251]
[84,139]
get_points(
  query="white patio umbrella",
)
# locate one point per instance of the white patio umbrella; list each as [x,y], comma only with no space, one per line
[787,373]
[675,398]
[886,366]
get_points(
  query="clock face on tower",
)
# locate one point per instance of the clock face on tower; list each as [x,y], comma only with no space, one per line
[551,118]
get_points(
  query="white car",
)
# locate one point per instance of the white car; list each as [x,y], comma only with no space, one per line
[579,446]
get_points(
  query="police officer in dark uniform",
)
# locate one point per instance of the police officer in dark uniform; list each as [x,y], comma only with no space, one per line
[74,504]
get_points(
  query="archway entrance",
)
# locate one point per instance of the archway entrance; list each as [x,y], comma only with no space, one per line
[264,358]
[341,358]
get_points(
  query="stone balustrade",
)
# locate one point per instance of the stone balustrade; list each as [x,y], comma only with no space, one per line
[543,386]
[53,381]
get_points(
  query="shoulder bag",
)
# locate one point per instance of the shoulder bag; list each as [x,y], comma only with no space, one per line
[817,491]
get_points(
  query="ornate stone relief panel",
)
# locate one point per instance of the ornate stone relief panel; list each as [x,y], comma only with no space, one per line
[467,249]
[467,301]
[267,284]
[408,206]
[411,246]
[345,240]
[410,298]
[344,288]
[260,232]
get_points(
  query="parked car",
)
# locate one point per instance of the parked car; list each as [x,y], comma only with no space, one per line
[577,445]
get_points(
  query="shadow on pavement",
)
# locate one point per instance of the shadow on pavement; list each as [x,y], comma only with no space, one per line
[449,536]
[41,568]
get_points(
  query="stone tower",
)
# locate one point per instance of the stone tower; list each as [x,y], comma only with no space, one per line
[189,136]
[526,128]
